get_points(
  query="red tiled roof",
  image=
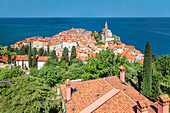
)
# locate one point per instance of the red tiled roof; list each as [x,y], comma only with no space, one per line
[140,61]
[119,43]
[25,58]
[43,58]
[120,47]
[4,58]
[90,91]
[101,46]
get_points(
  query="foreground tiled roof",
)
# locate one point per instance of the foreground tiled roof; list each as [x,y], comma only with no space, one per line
[117,104]
[90,91]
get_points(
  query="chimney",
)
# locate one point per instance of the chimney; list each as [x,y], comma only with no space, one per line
[122,73]
[58,90]
[68,89]
[163,103]
[142,106]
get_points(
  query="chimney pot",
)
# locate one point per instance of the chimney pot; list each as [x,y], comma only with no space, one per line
[142,106]
[163,103]
[122,73]
[68,89]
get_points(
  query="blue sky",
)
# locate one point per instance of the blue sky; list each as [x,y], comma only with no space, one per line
[84,8]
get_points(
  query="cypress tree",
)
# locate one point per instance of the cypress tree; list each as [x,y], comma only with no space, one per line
[9,59]
[34,62]
[48,51]
[73,54]
[45,53]
[146,85]
[65,55]
[15,61]
[29,56]
[22,64]
[41,52]
[9,48]
[53,55]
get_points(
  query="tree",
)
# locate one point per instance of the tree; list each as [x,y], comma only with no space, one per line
[34,61]
[146,85]
[162,64]
[73,54]
[22,64]
[29,95]
[9,74]
[15,64]
[45,53]
[9,48]
[51,74]
[9,59]
[65,55]
[41,52]
[155,85]
[153,57]
[29,56]
[54,56]
[48,51]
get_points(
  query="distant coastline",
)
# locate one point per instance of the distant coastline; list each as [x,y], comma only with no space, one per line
[128,28]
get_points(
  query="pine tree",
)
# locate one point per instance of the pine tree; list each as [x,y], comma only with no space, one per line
[15,64]
[65,55]
[29,56]
[34,61]
[9,59]
[73,54]
[22,64]
[28,95]
[48,51]
[146,85]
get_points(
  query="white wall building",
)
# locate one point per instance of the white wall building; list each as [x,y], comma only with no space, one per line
[69,43]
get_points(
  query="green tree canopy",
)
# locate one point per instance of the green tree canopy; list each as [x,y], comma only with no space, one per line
[41,52]
[29,95]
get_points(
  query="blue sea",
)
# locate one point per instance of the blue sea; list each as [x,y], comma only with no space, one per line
[132,31]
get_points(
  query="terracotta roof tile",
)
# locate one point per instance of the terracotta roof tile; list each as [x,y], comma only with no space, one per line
[91,90]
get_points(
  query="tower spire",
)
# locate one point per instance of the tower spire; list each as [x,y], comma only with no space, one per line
[106,27]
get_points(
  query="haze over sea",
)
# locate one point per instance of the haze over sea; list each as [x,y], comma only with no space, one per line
[132,31]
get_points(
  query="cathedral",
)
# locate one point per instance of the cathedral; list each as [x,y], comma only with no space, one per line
[106,34]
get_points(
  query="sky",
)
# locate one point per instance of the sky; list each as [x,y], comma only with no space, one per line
[84,8]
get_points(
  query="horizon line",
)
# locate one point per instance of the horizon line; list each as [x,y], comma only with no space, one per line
[89,17]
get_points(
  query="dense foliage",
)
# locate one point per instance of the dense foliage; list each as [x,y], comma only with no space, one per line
[9,74]
[28,94]
[97,35]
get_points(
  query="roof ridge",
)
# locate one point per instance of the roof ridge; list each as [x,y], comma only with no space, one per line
[94,80]
[100,101]
[107,82]
[128,97]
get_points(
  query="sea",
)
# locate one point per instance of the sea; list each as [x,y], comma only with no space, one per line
[132,31]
